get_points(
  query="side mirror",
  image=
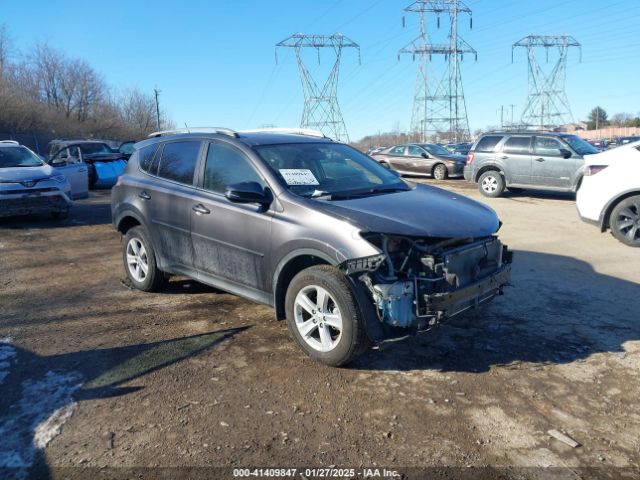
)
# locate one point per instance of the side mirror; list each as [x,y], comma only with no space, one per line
[424,155]
[248,192]
[58,162]
[565,153]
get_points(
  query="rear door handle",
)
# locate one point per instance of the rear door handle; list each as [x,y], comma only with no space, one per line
[200,209]
[144,195]
[539,159]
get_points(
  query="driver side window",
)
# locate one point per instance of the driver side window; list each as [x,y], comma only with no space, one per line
[226,166]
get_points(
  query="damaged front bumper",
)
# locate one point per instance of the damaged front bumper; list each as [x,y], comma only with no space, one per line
[421,285]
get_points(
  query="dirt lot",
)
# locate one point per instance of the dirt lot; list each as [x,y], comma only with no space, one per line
[104,376]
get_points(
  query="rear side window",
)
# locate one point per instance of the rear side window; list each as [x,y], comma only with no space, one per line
[178,162]
[517,145]
[226,166]
[488,143]
[146,157]
[397,150]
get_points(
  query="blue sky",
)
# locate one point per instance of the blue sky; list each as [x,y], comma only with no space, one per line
[214,60]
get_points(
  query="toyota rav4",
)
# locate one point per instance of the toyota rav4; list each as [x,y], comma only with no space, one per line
[345,251]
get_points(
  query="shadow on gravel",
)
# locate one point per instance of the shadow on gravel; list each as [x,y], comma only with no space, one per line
[40,392]
[558,311]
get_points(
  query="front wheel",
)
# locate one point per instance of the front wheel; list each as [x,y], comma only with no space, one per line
[491,184]
[140,263]
[625,221]
[323,317]
[440,172]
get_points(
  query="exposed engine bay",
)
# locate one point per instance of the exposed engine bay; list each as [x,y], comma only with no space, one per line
[417,283]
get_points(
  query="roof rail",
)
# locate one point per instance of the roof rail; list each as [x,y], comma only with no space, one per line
[220,130]
[10,142]
[295,131]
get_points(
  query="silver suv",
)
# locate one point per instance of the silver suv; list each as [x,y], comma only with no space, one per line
[342,248]
[30,186]
[523,160]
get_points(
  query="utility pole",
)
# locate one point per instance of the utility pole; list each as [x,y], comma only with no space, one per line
[439,104]
[157,93]
[502,117]
[321,109]
[547,105]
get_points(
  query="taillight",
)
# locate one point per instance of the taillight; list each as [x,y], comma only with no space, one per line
[469,158]
[593,169]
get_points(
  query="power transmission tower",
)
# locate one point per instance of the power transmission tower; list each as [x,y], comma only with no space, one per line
[439,107]
[547,104]
[321,109]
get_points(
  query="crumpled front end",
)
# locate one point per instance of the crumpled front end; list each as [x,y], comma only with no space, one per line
[415,284]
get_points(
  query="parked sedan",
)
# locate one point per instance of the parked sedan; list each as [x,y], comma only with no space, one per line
[30,186]
[609,196]
[422,159]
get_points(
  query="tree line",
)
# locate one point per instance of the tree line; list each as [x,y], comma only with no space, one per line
[46,92]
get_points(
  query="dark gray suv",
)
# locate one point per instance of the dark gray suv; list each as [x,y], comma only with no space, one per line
[522,160]
[343,249]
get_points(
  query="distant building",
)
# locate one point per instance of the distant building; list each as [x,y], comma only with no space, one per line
[571,127]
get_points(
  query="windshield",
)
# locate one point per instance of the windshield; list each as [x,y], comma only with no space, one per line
[580,146]
[434,149]
[89,148]
[18,157]
[319,169]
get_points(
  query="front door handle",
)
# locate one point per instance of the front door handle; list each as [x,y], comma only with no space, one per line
[539,159]
[504,157]
[200,209]
[144,195]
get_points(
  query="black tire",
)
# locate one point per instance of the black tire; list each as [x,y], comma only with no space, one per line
[352,340]
[154,278]
[515,190]
[440,172]
[491,184]
[625,221]
[60,215]
[385,165]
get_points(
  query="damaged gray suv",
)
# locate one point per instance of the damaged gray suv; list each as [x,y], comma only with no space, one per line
[344,250]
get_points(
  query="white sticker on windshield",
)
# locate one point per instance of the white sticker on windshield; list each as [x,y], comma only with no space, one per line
[298,176]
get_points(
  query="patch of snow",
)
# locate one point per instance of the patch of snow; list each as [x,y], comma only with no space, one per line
[45,405]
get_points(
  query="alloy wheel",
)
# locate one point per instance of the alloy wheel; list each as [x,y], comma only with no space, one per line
[318,318]
[137,260]
[490,184]
[627,222]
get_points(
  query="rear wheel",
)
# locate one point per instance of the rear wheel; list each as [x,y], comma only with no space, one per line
[491,184]
[625,221]
[385,165]
[139,260]
[323,317]
[440,172]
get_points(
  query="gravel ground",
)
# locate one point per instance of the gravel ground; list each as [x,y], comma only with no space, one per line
[94,374]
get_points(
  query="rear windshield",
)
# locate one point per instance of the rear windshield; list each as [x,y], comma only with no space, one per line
[488,143]
[18,157]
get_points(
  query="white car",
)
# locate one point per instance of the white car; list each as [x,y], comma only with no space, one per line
[609,196]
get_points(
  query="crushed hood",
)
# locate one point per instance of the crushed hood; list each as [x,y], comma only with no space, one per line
[423,211]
